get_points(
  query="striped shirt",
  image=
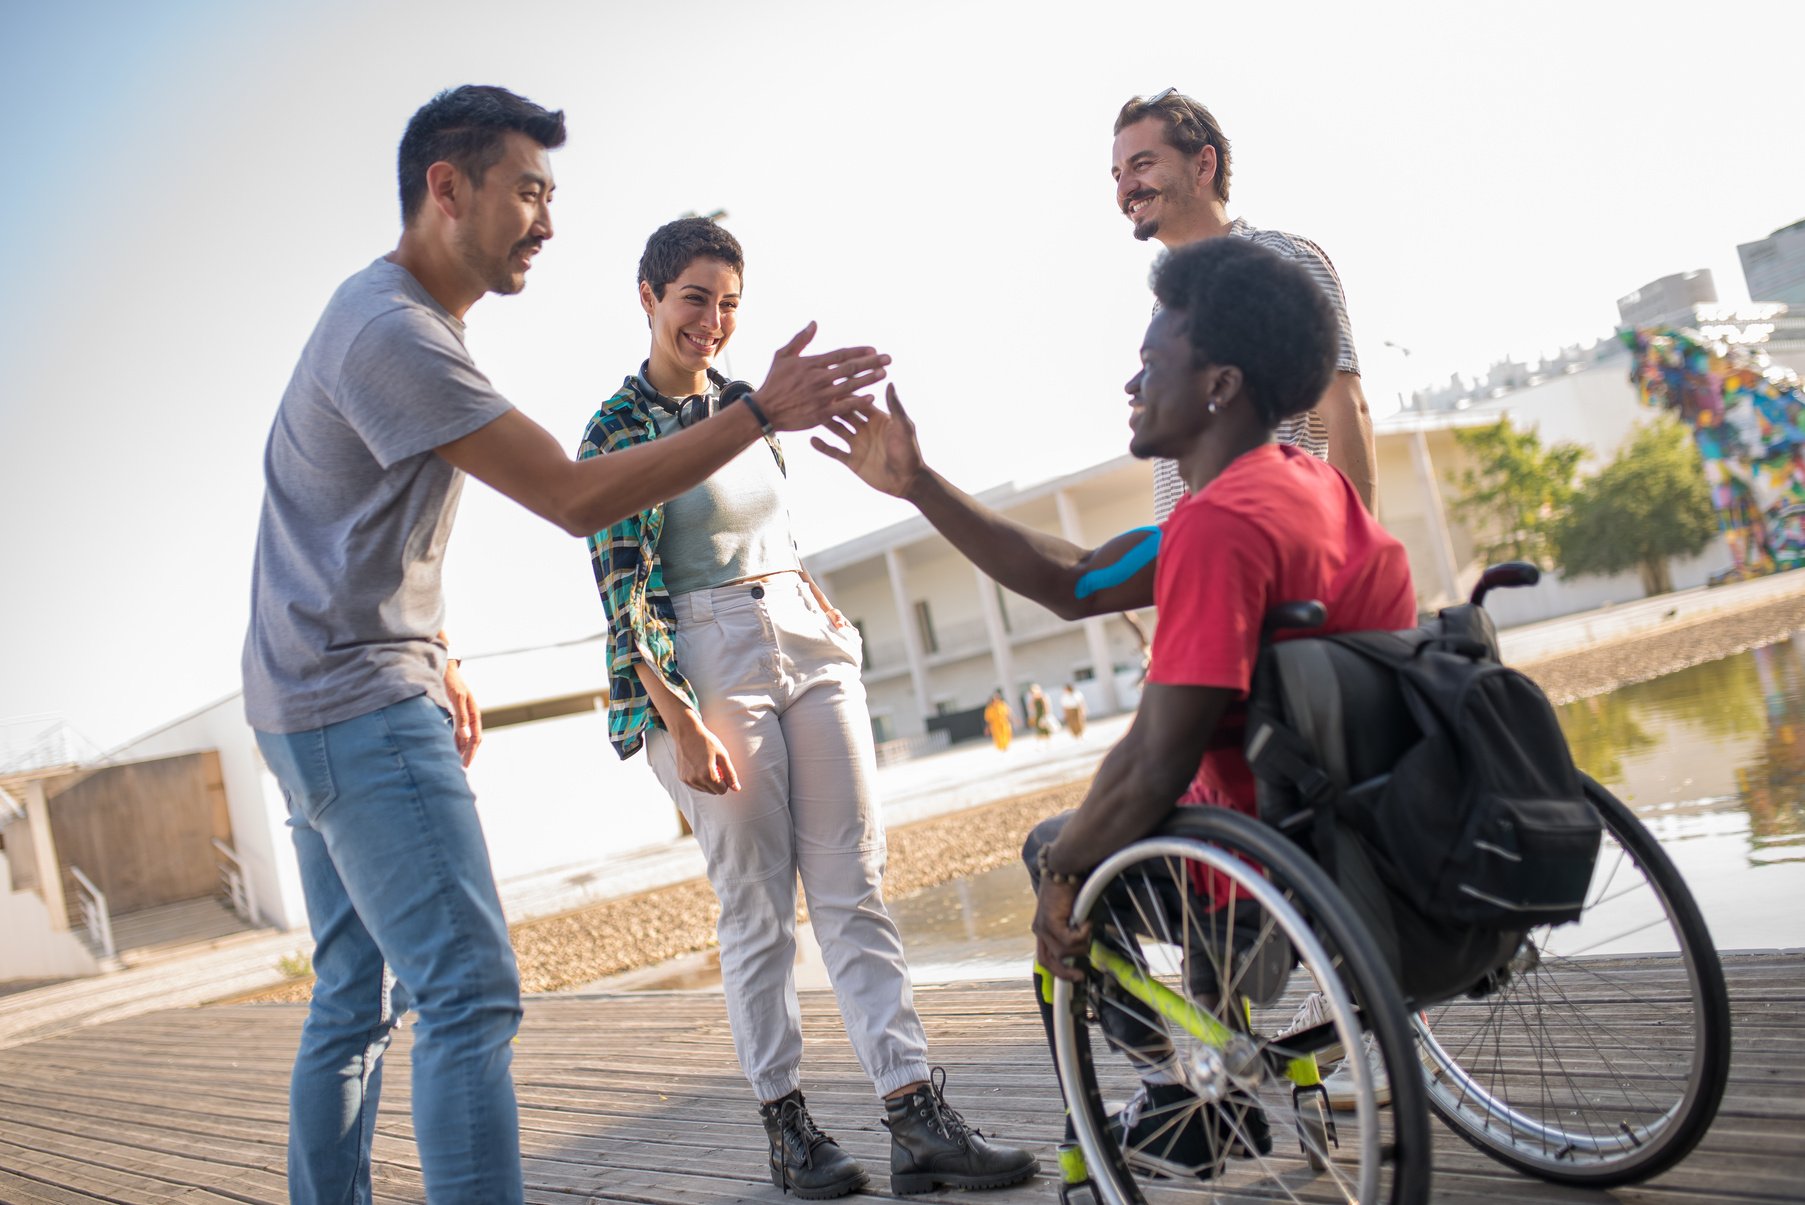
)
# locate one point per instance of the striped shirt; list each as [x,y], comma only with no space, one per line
[1306,431]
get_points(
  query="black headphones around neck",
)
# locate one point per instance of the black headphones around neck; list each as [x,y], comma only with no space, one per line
[697,406]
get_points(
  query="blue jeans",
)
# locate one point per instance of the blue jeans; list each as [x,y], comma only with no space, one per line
[397,878]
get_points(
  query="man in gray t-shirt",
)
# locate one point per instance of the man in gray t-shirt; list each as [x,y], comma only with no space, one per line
[347,681]
[358,506]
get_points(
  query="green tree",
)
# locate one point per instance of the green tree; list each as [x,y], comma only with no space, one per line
[1649,504]
[1514,490]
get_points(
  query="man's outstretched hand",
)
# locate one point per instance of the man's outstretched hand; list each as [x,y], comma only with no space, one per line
[805,391]
[1057,945]
[881,447]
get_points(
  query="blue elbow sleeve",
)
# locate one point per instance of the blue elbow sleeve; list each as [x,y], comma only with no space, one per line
[1132,562]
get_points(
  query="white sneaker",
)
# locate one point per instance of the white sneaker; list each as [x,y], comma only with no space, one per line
[1344,1093]
[1312,1012]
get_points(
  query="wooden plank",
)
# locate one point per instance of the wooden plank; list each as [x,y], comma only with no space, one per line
[108,1183]
[638,1098]
[114,1156]
[14,1187]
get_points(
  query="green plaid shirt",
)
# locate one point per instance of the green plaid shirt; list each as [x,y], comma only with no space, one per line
[631,580]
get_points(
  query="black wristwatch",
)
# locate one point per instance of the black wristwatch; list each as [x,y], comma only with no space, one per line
[758,412]
[740,391]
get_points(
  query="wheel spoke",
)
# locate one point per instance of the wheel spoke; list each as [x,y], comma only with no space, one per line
[1589,1067]
[1147,907]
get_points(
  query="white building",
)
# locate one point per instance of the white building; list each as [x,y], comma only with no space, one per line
[939,638]
[1774,267]
[1668,299]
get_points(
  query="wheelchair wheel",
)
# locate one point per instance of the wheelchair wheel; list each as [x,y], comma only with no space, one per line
[1601,1058]
[1190,1002]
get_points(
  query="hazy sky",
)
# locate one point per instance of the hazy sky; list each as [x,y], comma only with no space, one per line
[187,183]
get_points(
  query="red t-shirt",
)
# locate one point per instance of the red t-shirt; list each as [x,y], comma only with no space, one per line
[1277,526]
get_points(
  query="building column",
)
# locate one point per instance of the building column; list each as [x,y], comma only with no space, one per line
[43,848]
[905,615]
[1439,537]
[1000,653]
[1096,635]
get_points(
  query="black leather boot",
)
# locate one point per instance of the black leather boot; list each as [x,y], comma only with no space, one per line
[931,1145]
[803,1159]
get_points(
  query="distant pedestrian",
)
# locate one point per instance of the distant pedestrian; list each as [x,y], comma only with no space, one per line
[1072,704]
[999,721]
[1040,712]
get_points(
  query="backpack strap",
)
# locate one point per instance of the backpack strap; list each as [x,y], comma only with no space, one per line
[1275,751]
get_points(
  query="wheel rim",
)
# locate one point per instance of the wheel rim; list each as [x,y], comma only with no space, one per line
[1116,1183]
[1590,1059]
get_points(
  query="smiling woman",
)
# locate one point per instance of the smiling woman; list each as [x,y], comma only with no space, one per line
[728,664]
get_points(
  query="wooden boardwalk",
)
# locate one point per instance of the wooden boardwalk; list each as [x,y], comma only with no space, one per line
[637,1098]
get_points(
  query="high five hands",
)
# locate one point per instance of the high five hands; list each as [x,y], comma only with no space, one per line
[881,448]
[804,391]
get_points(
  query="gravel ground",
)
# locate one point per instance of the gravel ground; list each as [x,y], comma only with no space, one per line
[1595,671]
[561,952]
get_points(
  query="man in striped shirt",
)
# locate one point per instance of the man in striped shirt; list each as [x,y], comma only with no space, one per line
[1171,165]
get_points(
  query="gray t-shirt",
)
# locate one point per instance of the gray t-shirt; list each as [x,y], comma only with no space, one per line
[345,595]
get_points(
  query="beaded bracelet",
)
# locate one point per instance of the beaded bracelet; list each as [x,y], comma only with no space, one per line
[1043,861]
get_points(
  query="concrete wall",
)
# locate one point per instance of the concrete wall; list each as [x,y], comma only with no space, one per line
[253,800]
[1408,506]
[550,793]
[1597,408]
[21,855]
[143,833]
[1555,596]
[32,949]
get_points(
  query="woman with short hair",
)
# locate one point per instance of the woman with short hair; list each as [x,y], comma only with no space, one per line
[742,682]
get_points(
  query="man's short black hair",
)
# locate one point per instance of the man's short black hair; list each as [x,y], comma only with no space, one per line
[466,127]
[675,245]
[1253,308]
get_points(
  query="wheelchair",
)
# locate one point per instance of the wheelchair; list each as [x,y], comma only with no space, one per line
[1592,1053]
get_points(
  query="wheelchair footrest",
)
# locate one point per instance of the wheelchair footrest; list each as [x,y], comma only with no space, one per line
[1310,1105]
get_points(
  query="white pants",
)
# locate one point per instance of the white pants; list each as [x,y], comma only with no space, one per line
[779,685]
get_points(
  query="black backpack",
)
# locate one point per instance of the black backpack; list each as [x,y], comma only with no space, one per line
[1450,768]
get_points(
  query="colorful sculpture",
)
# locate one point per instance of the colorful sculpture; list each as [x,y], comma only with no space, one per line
[1748,421]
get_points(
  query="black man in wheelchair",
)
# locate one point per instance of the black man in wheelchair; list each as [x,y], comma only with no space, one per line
[1240,343]
[1242,340]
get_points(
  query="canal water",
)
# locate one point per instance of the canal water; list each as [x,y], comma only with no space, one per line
[1710,758]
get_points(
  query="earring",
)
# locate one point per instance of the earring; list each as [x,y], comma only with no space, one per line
[1210,409]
